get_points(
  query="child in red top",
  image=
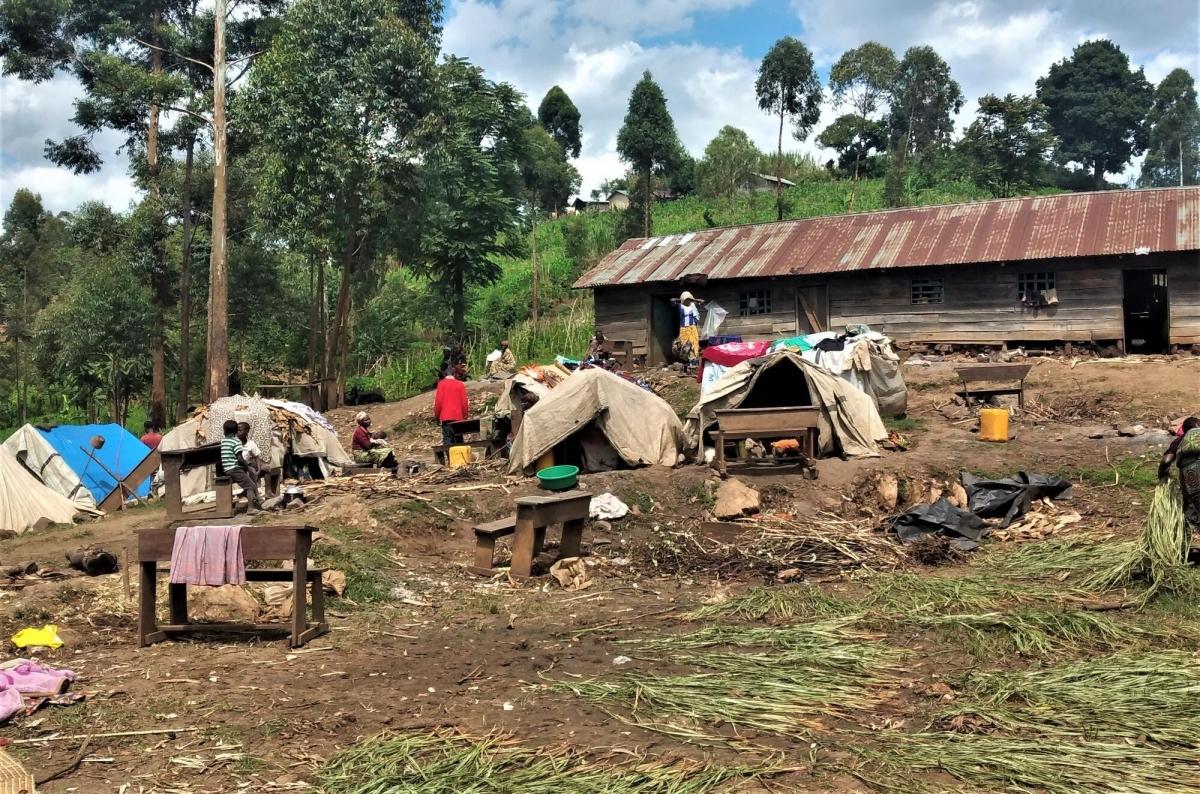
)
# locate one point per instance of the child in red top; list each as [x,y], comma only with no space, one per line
[450,405]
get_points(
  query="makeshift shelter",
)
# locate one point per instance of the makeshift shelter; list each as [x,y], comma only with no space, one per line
[849,424]
[865,360]
[24,501]
[35,453]
[715,360]
[65,459]
[600,421]
[279,427]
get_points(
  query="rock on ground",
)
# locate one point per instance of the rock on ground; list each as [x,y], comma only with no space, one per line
[735,499]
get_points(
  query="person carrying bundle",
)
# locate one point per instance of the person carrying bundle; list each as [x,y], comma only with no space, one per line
[1184,454]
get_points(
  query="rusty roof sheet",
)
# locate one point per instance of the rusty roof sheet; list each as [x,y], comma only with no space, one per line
[1004,230]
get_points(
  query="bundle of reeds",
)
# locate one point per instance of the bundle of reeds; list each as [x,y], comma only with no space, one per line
[1036,631]
[1158,559]
[776,603]
[821,543]
[445,762]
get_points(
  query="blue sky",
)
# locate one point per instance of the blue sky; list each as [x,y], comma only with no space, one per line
[703,52]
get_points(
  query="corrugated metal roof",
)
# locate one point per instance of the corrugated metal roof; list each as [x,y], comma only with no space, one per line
[1004,230]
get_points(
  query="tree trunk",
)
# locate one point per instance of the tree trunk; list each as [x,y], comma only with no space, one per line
[779,169]
[646,199]
[158,354]
[1181,161]
[534,271]
[218,266]
[854,182]
[313,320]
[335,359]
[185,286]
[460,319]
[1099,174]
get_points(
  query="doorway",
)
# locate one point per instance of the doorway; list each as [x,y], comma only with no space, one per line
[1147,311]
[812,308]
[664,327]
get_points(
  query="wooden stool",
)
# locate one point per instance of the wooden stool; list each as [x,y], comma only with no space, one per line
[534,515]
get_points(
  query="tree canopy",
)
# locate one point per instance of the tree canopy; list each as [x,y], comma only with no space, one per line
[647,139]
[1173,155]
[730,161]
[1008,143]
[924,99]
[1097,106]
[788,86]
[559,116]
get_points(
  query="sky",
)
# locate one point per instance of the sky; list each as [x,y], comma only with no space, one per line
[704,53]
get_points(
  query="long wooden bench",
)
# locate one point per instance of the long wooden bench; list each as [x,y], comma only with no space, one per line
[534,514]
[993,373]
[799,422]
[177,461]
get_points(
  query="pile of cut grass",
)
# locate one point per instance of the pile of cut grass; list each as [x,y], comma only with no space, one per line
[776,603]
[445,762]
[813,671]
[1074,559]
[1036,632]
[1148,694]
[903,593]
[1044,765]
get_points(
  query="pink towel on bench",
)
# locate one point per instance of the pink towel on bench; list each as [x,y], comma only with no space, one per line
[208,556]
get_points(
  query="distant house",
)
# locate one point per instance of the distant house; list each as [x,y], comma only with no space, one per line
[764,183]
[618,200]
[1116,268]
[581,205]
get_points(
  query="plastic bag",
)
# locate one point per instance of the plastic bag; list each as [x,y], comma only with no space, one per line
[713,317]
[45,637]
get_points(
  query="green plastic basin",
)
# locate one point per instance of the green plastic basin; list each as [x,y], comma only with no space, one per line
[558,478]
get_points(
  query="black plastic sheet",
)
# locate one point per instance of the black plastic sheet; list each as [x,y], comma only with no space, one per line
[1006,499]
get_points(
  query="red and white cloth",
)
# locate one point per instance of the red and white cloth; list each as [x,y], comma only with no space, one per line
[208,555]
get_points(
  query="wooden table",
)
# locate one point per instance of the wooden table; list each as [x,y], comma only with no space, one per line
[177,461]
[535,513]
[258,543]
[799,422]
[992,373]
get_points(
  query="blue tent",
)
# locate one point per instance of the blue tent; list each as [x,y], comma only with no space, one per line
[120,455]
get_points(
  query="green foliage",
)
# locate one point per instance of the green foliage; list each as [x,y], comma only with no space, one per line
[856,140]
[549,178]
[558,116]
[1097,106]
[1006,146]
[1173,156]
[788,86]
[729,164]
[924,99]
[863,76]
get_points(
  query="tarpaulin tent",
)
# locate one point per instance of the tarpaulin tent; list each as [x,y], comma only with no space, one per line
[715,360]
[24,501]
[613,421]
[277,426]
[36,454]
[866,360]
[98,469]
[849,423]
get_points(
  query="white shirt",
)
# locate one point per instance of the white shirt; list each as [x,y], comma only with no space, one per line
[250,450]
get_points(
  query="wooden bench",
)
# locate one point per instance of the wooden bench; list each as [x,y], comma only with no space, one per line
[620,350]
[993,373]
[463,428]
[799,422]
[258,543]
[177,461]
[528,525]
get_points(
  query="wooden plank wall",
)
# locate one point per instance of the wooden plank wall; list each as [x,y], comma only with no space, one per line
[1183,291]
[781,321]
[623,313]
[981,307]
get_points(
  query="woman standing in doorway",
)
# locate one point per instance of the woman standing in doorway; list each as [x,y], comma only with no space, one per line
[688,343]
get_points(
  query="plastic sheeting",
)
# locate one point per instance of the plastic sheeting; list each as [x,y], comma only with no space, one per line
[120,455]
[24,501]
[36,454]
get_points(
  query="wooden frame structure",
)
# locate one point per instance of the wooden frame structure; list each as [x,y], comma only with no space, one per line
[258,543]
[177,461]
[799,422]
[993,373]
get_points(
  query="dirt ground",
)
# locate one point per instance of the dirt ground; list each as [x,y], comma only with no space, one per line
[418,642]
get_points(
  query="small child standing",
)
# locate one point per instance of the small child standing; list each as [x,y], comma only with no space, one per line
[234,464]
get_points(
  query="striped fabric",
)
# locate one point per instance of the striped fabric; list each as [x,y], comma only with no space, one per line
[230,449]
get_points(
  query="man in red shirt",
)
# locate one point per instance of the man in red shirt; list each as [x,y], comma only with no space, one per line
[151,437]
[450,405]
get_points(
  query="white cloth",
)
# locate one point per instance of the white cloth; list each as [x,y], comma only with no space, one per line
[607,506]
[251,451]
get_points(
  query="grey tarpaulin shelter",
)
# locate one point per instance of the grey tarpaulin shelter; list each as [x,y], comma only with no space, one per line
[849,423]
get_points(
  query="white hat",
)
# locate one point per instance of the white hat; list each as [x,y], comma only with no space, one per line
[686,296]
[358,417]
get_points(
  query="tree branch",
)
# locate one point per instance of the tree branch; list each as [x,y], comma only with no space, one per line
[174,54]
[240,75]
[192,113]
[246,57]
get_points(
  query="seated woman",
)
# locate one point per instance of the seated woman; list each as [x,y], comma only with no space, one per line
[367,449]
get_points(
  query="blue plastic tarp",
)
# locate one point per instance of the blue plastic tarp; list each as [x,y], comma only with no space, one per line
[120,455]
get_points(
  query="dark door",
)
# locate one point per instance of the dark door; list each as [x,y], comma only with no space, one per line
[664,327]
[812,308]
[1147,311]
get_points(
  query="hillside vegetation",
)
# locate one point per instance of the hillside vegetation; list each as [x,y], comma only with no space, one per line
[567,247]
